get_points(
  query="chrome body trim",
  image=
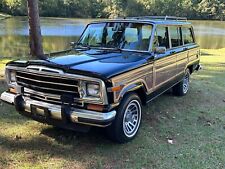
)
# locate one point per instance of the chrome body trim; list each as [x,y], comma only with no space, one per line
[7,97]
[44,68]
[55,110]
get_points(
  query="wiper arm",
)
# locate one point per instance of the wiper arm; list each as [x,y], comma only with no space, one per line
[82,46]
[108,48]
[115,49]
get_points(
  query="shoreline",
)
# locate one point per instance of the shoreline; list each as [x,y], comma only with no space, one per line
[77,18]
[4,16]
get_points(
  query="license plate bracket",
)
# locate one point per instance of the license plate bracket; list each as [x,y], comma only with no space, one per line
[39,110]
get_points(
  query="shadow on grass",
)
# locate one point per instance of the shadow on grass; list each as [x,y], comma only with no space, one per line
[206,54]
[63,136]
[59,143]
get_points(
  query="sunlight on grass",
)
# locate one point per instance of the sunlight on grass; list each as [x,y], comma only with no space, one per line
[2,66]
[218,52]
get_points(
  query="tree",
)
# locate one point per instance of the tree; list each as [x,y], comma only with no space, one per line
[36,49]
[209,9]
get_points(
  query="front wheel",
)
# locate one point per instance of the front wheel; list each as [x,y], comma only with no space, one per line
[182,87]
[128,119]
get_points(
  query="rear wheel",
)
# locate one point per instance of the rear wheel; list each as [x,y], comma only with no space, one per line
[182,87]
[128,119]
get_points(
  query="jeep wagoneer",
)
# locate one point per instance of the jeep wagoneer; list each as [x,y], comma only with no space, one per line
[115,68]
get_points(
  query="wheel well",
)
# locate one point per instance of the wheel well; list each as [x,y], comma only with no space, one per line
[141,92]
[142,95]
[190,69]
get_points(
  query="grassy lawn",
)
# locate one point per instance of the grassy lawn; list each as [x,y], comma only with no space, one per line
[195,123]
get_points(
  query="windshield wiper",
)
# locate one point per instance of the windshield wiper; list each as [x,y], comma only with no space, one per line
[116,49]
[106,48]
[82,46]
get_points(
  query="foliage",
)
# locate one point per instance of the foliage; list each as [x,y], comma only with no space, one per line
[194,9]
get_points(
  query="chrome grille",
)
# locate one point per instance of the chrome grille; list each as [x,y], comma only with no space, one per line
[48,84]
[50,98]
[45,86]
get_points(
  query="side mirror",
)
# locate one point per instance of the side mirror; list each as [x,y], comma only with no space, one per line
[160,50]
[73,44]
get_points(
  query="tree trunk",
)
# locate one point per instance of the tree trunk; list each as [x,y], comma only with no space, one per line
[36,49]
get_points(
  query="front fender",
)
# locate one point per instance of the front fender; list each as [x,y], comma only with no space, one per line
[129,88]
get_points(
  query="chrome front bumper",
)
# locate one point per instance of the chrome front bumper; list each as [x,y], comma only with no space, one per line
[56,112]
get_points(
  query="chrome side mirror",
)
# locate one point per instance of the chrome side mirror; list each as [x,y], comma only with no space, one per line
[160,50]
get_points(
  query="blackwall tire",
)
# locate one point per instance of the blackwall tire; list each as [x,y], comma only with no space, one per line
[128,119]
[182,87]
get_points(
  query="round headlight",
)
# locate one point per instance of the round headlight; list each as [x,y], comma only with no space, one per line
[93,89]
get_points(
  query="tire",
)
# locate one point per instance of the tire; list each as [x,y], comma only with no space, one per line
[126,124]
[182,87]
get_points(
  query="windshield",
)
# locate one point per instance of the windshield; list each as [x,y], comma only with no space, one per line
[119,35]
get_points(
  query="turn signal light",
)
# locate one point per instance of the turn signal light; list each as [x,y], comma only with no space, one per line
[95,107]
[12,90]
[117,88]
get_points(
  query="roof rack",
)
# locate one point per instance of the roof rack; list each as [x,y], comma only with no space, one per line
[159,18]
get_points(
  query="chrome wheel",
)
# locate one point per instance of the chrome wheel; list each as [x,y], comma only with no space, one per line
[132,118]
[186,83]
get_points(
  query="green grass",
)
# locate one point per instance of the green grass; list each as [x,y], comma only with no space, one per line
[195,122]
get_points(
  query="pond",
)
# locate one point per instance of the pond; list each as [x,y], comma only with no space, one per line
[58,32]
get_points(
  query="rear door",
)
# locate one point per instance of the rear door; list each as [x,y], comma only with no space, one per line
[165,64]
[178,50]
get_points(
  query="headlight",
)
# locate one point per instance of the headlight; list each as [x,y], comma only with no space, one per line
[93,89]
[12,76]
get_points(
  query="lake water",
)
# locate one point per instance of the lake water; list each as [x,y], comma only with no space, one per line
[57,33]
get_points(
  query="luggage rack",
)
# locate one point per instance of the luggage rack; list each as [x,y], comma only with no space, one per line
[174,18]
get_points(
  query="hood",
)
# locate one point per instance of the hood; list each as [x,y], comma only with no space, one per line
[104,63]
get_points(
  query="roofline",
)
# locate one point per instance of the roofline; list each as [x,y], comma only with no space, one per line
[184,19]
[147,21]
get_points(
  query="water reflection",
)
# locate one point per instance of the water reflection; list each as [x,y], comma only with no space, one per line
[210,34]
[57,33]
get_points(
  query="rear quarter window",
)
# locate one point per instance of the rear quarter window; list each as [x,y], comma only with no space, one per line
[187,35]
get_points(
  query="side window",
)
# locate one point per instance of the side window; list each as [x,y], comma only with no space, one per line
[161,38]
[137,37]
[175,36]
[187,35]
